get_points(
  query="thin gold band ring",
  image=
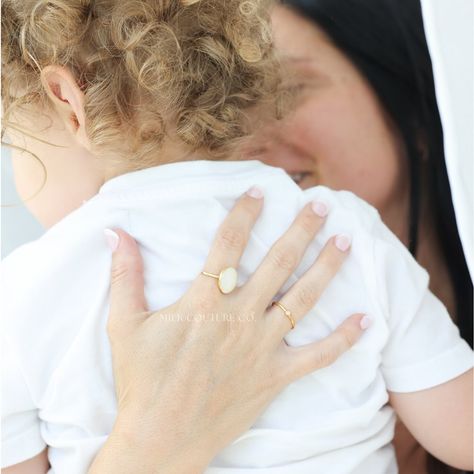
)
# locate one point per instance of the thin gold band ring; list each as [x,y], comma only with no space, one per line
[286,312]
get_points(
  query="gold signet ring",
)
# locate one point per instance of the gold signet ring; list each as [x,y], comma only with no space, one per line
[226,280]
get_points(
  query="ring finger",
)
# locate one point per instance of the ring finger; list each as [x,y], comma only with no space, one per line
[305,293]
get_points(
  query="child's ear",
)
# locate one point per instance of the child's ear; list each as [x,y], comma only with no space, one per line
[67,99]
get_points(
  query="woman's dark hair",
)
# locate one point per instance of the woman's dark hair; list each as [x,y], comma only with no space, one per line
[385,39]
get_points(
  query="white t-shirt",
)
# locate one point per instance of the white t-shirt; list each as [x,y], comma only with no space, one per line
[58,387]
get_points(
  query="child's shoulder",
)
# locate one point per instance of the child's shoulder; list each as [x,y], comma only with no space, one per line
[348,203]
[39,279]
[353,212]
[348,214]
[55,243]
[394,272]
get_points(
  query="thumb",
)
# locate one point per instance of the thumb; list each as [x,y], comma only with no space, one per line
[127,295]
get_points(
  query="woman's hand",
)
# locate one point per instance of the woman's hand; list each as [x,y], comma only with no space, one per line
[192,377]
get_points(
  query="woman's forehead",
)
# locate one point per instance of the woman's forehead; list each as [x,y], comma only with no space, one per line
[302,46]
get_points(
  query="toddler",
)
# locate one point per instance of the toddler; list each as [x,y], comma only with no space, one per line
[144,101]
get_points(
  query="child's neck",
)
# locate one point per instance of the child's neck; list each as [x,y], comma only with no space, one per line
[172,153]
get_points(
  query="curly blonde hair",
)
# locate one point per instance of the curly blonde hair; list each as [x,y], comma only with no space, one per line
[149,69]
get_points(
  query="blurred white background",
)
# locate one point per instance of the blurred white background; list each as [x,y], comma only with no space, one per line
[17,224]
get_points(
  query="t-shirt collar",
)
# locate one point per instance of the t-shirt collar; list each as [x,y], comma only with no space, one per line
[176,171]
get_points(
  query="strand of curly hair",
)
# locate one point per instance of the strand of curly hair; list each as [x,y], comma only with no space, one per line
[149,69]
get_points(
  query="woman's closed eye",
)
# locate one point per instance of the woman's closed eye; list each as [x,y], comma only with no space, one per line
[300,176]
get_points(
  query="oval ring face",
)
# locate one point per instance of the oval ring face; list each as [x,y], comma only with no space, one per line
[227,280]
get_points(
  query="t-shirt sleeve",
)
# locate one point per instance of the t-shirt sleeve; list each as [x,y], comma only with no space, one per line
[424,346]
[21,437]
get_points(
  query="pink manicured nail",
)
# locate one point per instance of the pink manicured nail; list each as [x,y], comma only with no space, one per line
[112,239]
[365,322]
[255,192]
[319,208]
[343,242]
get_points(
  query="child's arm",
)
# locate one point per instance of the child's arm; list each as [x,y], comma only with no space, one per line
[37,465]
[441,419]
[426,365]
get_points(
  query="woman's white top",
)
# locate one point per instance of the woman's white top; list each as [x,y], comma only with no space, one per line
[449,28]
[58,388]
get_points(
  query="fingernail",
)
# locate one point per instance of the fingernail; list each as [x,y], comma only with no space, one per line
[255,192]
[319,208]
[112,239]
[365,322]
[343,242]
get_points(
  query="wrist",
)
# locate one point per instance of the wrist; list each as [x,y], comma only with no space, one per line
[157,447]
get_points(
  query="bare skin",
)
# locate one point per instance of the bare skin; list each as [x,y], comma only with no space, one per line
[162,428]
[340,136]
[371,166]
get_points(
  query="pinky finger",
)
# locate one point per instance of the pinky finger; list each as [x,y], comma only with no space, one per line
[316,355]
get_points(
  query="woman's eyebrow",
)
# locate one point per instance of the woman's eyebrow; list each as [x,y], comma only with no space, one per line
[309,66]
[297,59]
[305,61]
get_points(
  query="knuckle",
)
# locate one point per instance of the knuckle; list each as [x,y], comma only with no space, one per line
[270,381]
[231,238]
[249,207]
[203,303]
[284,258]
[233,333]
[326,262]
[305,297]
[326,356]
[307,223]
[346,338]
[119,272]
